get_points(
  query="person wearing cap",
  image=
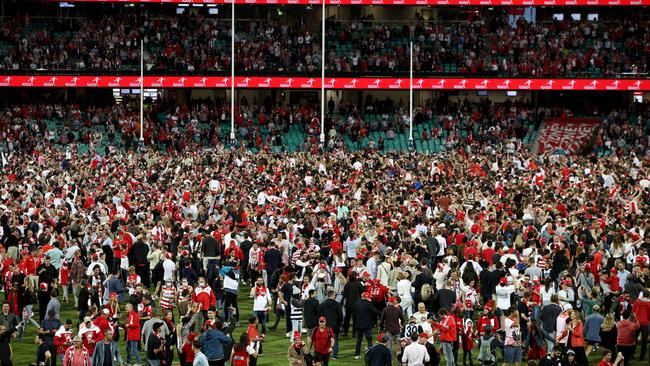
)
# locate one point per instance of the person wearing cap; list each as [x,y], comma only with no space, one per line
[321,340]
[333,312]
[365,315]
[592,329]
[503,292]
[416,354]
[571,359]
[561,322]
[379,354]
[90,334]
[297,351]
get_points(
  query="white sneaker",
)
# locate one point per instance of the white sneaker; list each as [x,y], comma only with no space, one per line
[357,357]
[303,331]
[288,335]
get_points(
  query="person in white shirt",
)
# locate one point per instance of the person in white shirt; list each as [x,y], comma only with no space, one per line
[404,292]
[169,267]
[261,300]
[415,354]
[503,292]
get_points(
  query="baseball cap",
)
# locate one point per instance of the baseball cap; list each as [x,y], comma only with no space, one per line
[322,319]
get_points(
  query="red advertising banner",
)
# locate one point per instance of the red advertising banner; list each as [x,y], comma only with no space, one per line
[398,2]
[285,82]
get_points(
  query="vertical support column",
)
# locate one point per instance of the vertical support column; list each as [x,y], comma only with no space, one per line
[232,71]
[142,91]
[322,76]
[411,97]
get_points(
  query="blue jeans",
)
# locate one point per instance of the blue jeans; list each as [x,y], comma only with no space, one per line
[392,340]
[448,351]
[261,317]
[360,334]
[154,362]
[132,349]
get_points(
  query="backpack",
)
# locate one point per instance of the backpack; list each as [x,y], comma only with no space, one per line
[426,292]
[485,351]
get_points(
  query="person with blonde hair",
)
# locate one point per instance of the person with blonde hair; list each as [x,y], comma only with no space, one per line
[608,331]
[404,292]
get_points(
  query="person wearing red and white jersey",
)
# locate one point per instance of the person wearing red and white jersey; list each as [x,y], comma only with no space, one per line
[168,295]
[63,337]
[90,334]
[132,280]
[204,295]
[261,300]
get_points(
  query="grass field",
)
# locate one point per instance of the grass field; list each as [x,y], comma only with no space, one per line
[275,346]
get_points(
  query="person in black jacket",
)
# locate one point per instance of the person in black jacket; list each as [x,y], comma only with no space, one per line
[138,256]
[6,354]
[351,294]
[365,315]
[379,355]
[83,299]
[311,309]
[333,312]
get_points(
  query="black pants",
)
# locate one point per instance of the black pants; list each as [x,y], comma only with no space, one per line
[644,340]
[221,362]
[324,358]
[230,301]
[465,354]
[143,272]
[346,321]
[287,317]
[627,352]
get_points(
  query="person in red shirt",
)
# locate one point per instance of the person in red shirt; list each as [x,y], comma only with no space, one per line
[641,309]
[255,339]
[89,334]
[321,340]
[607,359]
[204,295]
[488,253]
[242,352]
[132,334]
[448,334]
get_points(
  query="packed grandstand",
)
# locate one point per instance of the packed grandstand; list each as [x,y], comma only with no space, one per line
[347,220]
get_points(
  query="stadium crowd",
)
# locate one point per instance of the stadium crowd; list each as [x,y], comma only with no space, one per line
[541,257]
[274,45]
[487,43]
[110,42]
